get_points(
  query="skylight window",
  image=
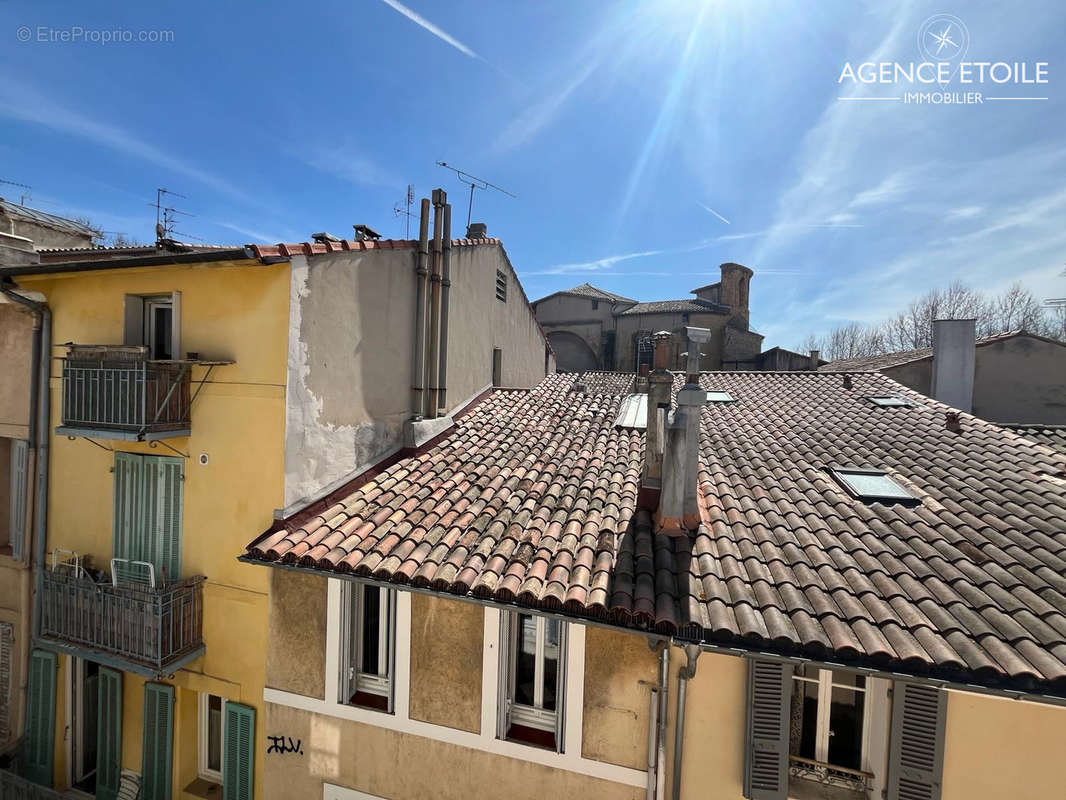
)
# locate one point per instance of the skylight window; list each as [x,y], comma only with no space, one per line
[891,400]
[719,397]
[870,484]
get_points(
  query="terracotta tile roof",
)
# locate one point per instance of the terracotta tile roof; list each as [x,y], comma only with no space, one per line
[1053,436]
[588,290]
[694,306]
[283,250]
[533,499]
[886,360]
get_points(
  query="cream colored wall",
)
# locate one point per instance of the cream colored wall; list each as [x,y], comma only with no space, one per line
[1022,379]
[447,639]
[16,338]
[618,668]
[350,354]
[404,767]
[995,747]
[228,312]
[566,308]
[296,656]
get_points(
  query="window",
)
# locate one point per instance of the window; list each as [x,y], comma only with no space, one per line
[147,518]
[870,484]
[891,401]
[827,717]
[154,321]
[501,286]
[595,304]
[532,659]
[367,654]
[211,737]
[714,396]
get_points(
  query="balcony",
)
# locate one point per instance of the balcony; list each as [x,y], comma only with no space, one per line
[15,787]
[118,392]
[145,629]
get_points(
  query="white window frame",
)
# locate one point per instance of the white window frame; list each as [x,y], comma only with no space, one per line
[203,724]
[151,303]
[535,716]
[351,679]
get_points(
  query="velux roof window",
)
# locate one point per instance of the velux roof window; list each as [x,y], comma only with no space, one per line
[891,400]
[873,485]
[714,396]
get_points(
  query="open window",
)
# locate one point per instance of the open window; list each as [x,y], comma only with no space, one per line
[154,321]
[368,646]
[211,721]
[532,660]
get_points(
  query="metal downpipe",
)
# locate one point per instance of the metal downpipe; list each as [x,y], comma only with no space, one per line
[446,282]
[432,364]
[418,366]
[684,675]
[660,756]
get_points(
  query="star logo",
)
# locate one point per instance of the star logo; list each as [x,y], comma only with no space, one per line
[943,37]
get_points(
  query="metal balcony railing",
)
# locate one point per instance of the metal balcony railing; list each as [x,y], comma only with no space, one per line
[118,390]
[808,769]
[151,631]
[14,787]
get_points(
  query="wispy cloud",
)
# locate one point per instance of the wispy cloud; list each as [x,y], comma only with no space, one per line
[422,22]
[21,102]
[262,237]
[349,163]
[596,265]
[710,210]
[537,116]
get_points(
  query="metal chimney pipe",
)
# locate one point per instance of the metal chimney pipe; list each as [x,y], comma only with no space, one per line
[954,353]
[446,282]
[659,384]
[418,363]
[432,364]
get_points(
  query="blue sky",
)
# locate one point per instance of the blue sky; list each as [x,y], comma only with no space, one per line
[646,142]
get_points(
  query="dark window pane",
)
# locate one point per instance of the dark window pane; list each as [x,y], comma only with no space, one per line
[803,720]
[214,732]
[845,727]
[371,629]
[161,325]
[551,661]
[526,659]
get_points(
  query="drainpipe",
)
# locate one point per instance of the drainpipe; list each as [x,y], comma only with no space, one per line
[684,675]
[434,306]
[446,282]
[418,367]
[660,756]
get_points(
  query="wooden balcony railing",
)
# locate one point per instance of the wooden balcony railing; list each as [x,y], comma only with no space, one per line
[151,631]
[118,390]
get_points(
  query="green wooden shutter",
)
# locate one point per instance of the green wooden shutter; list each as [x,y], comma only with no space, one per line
[158,741]
[916,743]
[108,734]
[41,719]
[127,538]
[766,753]
[238,756]
[20,465]
[7,661]
[168,516]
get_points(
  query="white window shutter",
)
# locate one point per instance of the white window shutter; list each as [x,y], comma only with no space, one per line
[766,754]
[503,695]
[133,312]
[916,743]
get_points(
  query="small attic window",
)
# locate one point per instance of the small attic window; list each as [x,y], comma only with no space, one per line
[891,401]
[714,396]
[595,304]
[501,286]
[870,484]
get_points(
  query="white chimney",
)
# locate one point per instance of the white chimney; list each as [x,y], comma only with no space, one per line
[954,351]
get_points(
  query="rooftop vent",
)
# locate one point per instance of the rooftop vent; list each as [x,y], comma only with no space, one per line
[364,233]
[322,237]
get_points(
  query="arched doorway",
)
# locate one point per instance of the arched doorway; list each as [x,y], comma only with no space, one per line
[572,353]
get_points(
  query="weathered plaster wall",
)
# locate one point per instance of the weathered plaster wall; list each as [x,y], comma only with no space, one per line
[1022,379]
[617,712]
[917,375]
[43,237]
[570,308]
[296,657]
[16,337]
[630,324]
[446,657]
[399,766]
[573,352]
[995,747]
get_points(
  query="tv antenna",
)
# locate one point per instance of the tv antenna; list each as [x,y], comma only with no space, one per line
[406,211]
[165,216]
[24,197]
[474,183]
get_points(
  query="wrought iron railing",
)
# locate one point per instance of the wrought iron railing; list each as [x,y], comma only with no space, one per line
[153,628]
[830,774]
[14,787]
[118,388]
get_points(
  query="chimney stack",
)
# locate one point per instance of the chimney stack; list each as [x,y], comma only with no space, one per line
[816,358]
[659,385]
[477,230]
[679,506]
[954,351]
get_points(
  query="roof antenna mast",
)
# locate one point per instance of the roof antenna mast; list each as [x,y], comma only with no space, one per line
[474,183]
[26,195]
[164,216]
[406,211]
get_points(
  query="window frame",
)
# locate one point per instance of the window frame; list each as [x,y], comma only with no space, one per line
[352,681]
[511,712]
[841,475]
[719,396]
[151,304]
[892,401]
[203,739]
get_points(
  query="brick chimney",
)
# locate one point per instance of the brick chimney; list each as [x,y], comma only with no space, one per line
[734,293]
[679,512]
[815,359]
